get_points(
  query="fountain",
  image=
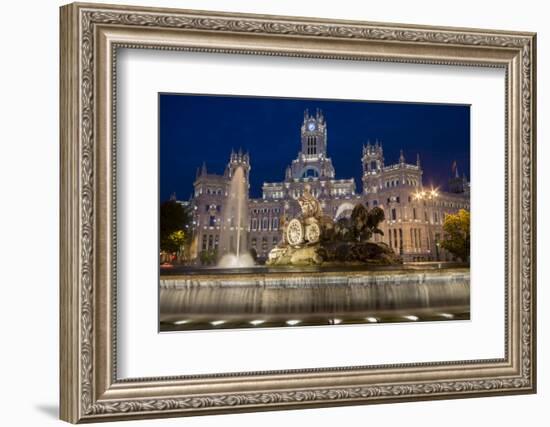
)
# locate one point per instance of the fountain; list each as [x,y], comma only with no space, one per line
[321,273]
[233,236]
[313,238]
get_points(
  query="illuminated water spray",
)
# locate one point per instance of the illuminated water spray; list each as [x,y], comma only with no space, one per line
[233,237]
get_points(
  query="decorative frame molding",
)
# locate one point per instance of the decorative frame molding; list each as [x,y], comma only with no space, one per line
[90,36]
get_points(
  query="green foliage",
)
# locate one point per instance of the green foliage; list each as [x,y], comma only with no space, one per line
[208,257]
[457,234]
[174,241]
[174,219]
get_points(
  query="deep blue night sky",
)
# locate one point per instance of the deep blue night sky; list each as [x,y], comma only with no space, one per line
[197,128]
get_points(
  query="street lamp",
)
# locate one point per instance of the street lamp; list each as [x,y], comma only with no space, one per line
[431,194]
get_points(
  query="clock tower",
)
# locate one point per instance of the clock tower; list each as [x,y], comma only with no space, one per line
[312,162]
[314,135]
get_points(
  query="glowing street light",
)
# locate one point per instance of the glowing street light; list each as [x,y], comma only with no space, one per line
[426,195]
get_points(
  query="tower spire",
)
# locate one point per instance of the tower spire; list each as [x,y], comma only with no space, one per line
[418,159]
[401,157]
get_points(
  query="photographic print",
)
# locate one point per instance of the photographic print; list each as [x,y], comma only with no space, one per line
[283,212]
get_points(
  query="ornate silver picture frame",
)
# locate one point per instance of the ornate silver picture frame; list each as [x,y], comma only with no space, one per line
[91,36]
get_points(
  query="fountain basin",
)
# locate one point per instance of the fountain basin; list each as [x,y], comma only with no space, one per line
[214,301]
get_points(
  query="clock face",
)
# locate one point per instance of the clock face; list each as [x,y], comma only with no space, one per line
[311,126]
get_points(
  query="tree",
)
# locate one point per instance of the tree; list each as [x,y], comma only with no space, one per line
[174,241]
[174,221]
[457,234]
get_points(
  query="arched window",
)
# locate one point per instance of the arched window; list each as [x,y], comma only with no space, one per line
[265,224]
[275,224]
[310,173]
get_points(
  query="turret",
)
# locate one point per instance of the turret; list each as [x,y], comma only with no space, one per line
[288,173]
[373,158]
[456,183]
[373,163]
[238,159]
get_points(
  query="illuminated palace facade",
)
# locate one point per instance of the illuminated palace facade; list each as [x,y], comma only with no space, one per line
[414,215]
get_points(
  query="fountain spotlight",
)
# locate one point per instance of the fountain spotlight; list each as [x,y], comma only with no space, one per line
[257,322]
[371,319]
[181,322]
[413,318]
[293,322]
[217,322]
[447,315]
[336,321]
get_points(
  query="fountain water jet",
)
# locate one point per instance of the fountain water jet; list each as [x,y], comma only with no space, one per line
[233,236]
